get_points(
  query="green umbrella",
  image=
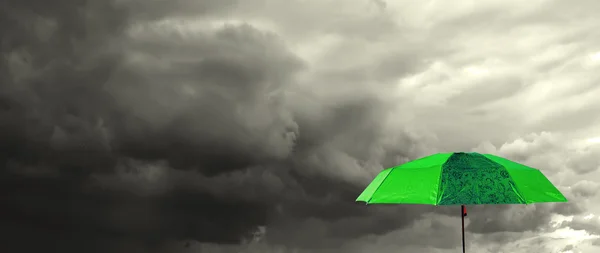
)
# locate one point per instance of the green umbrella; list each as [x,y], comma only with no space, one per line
[461,179]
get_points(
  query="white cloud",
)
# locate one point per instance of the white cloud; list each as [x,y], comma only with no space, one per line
[593,140]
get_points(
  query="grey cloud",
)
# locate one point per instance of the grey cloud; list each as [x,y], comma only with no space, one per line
[573,207]
[380,3]
[570,120]
[543,151]
[158,9]
[585,188]
[406,61]
[503,238]
[586,160]
[436,232]
[487,91]
[590,225]
[530,145]
[568,248]
[503,17]
[307,20]
[492,219]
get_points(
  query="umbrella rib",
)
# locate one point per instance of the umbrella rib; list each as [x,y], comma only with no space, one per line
[439,191]
[382,181]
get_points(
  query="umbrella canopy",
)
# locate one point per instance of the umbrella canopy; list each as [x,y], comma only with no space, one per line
[461,179]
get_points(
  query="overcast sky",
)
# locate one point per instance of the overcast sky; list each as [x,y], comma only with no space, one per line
[171,126]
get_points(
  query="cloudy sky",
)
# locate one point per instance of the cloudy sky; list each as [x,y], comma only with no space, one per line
[172,126]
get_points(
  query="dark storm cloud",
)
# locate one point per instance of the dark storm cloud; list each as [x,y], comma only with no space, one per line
[208,101]
[122,135]
[53,69]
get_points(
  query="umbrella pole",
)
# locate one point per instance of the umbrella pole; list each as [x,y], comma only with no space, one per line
[462,216]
